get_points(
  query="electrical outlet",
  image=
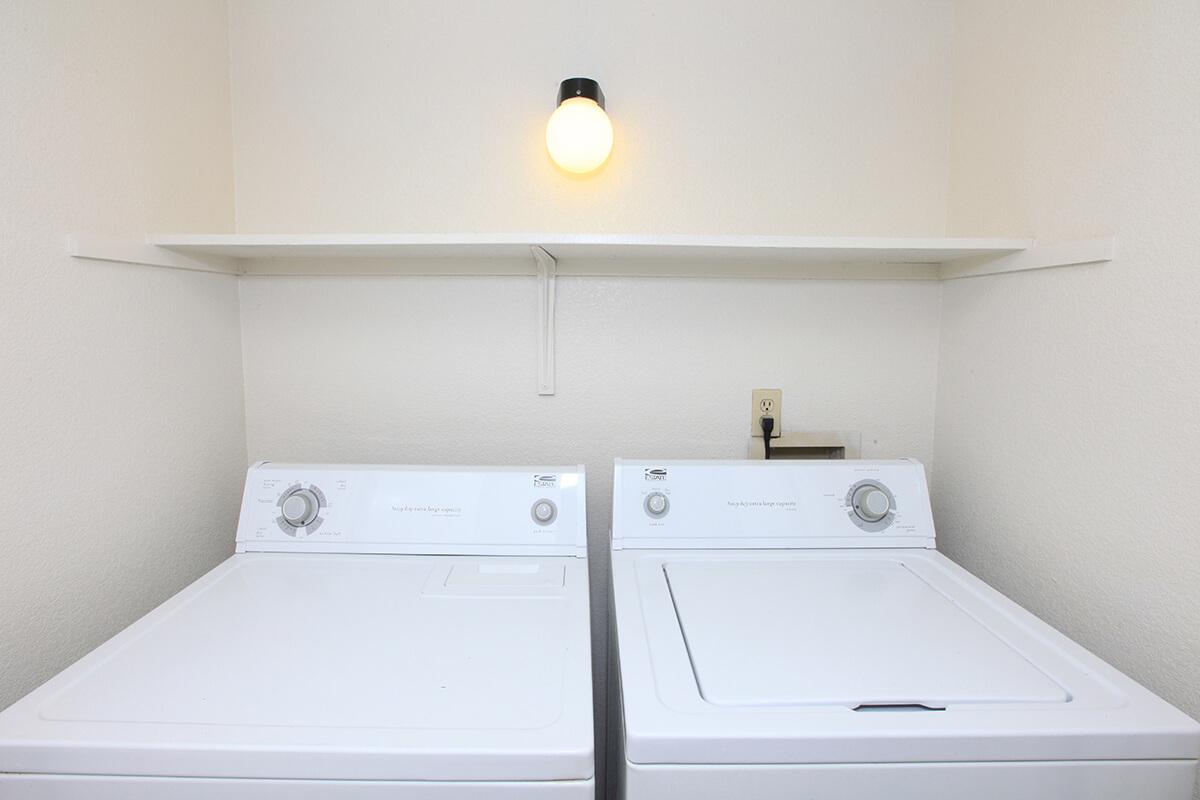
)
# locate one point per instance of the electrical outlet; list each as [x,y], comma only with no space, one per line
[766,403]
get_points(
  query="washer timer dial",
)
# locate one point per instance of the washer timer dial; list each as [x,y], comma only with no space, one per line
[871,505]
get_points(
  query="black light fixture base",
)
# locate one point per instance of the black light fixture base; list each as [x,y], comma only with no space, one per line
[580,87]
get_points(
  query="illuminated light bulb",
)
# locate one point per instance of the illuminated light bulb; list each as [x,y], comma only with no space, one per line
[579,134]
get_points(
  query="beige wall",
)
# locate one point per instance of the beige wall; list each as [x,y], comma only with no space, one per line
[827,116]
[817,117]
[1068,419]
[121,413]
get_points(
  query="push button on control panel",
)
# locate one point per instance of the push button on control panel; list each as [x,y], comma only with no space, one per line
[657,505]
[544,512]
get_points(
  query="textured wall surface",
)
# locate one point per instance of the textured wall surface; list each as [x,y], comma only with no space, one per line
[121,414]
[1068,420]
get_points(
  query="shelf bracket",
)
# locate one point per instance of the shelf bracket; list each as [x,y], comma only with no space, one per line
[130,252]
[546,271]
[1096,250]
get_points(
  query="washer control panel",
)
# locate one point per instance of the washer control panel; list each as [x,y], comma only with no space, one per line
[771,504]
[397,509]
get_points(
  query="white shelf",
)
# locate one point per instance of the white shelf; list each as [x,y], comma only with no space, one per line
[592,248]
[928,258]
[547,256]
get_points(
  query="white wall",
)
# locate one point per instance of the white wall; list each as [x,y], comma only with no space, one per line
[825,116]
[1068,421]
[820,117]
[121,412]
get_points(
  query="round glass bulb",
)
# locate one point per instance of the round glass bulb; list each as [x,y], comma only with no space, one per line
[579,135]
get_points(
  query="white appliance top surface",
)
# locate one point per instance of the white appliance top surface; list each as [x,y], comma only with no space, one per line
[763,656]
[333,666]
[849,632]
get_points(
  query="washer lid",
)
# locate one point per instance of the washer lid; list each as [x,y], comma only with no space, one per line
[333,667]
[865,633]
[787,656]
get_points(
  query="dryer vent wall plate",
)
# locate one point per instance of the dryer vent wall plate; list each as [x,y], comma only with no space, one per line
[771,504]
[808,445]
[338,508]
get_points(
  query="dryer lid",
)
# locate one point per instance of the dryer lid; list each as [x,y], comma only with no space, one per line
[332,667]
[868,634]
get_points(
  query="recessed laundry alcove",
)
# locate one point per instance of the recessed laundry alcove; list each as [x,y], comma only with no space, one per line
[330,232]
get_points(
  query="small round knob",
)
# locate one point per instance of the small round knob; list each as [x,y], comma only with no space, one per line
[871,503]
[300,508]
[657,504]
[544,512]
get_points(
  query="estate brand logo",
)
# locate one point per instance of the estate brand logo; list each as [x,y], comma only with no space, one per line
[656,474]
[545,481]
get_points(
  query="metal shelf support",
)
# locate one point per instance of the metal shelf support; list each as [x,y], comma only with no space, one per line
[547,268]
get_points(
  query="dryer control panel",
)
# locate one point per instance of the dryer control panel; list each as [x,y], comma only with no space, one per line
[771,504]
[345,508]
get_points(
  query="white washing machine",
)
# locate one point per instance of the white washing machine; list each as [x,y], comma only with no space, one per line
[381,632]
[786,629]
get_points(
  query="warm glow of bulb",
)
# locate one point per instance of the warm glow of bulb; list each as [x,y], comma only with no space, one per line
[579,135]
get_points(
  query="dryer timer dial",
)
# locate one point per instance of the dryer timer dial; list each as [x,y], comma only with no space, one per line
[300,508]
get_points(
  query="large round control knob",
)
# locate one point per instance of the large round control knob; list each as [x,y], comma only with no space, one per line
[657,504]
[300,508]
[871,503]
[544,512]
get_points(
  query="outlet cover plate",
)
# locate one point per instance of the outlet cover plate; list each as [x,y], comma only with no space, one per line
[763,403]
